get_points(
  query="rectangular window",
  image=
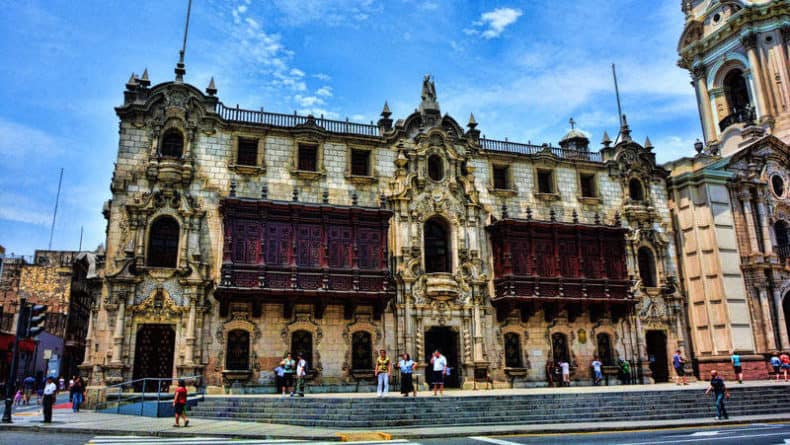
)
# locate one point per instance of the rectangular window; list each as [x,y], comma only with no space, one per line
[308,157]
[500,177]
[545,181]
[247,153]
[587,182]
[360,163]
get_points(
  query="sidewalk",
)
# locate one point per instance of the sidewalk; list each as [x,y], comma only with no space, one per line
[87,422]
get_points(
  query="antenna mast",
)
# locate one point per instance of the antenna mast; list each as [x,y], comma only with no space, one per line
[180,68]
[55,213]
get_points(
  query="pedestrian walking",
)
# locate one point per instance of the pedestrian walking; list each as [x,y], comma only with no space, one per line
[785,358]
[301,372]
[439,370]
[720,392]
[28,384]
[180,403]
[77,394]
[736,366]
[18,397]
[71,388]
[382,371]
[776,363]
[678,362]
[406,366]
[289,368]
[625,371]
[279,379]
[597,374]
[566,372]
[50,391]
[61,384]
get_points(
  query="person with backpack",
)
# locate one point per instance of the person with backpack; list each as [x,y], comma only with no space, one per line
[301,372]
[720,392]
[776,363]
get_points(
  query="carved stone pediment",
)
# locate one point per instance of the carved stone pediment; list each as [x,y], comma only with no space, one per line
[441,286]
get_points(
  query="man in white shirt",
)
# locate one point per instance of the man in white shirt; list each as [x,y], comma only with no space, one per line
[50,390]
[597,374]
[439,363]
[301,371]
[566,372]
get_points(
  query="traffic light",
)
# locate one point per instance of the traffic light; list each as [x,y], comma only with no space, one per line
[38,316]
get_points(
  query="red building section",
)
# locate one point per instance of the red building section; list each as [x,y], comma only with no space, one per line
[555,266]
[297,253]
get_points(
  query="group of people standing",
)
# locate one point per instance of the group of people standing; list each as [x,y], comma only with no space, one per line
[290,370]
[383,370]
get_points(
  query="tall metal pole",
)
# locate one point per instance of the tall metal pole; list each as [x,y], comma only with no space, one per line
[80,248]
[617,93]
[10,384]
[55,213]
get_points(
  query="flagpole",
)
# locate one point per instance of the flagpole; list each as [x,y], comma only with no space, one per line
[55,213]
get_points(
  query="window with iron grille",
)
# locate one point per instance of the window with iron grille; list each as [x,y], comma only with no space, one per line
[545,181]
[247,153]
[308,157]
[360,163]
[588,185]
[500,177]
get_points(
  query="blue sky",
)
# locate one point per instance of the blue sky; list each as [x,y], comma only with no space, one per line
[523,68]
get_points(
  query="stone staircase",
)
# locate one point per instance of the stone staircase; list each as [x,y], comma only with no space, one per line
[548,407]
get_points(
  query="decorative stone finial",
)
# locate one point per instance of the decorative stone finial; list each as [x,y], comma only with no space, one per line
[504,210]
[131,84]
[597,218]
[295,194]
[648,145]
[472,122]
[617,219]
[144,81]
[385,112]
[382,200]
[606,141]
[385,123]
[264,191]
[232,188]
[575,216]
[325,196]
[211,89]
[529,213]
[354,198]
[699,146]
[552,215]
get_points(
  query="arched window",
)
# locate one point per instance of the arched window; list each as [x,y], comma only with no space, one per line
[647,267]
[435,167]
[238,353]
[635,190]
[605,353]
[513,357]
[163,243]
[559,347]
[736,91]
[302,343]
[361,351]
[437,246]
[172,144]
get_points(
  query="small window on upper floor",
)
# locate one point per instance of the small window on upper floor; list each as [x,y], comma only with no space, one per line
[247,153]
[360,163]
[308,157]
[635,190]
[545,181]
[172,144]
[500,176]
[435,167]
[587,183]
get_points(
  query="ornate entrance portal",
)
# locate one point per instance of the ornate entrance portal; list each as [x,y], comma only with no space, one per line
[657,354]
[446,341]
[153,354]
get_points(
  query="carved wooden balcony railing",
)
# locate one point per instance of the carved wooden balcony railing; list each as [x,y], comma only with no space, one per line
[555,262]
[745,115]
[295,253]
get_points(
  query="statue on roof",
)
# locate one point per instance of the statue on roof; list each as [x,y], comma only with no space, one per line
[428,89]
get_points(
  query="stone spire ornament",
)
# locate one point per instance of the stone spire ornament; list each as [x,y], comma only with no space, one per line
[131,84]
[144,81]
[385,122]
[606,141]
[211,89]
[648,145]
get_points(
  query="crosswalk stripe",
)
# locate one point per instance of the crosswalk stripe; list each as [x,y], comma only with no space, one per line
[494,441]
[148,440]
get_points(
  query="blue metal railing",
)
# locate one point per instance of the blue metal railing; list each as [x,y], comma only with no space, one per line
[127,395]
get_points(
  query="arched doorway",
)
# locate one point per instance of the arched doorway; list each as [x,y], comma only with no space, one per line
[238,353]
[736,91]
[657,355]
[153,354]
[446,341]
[437,246]
[302,343]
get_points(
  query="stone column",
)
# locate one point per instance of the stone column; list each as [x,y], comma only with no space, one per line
[89,337]
[701,85]
[780,320]
[477,330]
[765,308]
[762,209]
[749,42]
[189,351]
[117,338]
[745,196]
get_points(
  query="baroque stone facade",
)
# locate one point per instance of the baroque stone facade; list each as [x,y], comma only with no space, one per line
[730,201]
[237,235]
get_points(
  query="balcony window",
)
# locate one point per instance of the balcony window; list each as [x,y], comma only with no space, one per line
[437,248]
[308,157]
[172,144]
[739,105]
[500,176]
[647,267]
[587,183]
[360,163]
[435,167]
[247,153]
[635,190]
[545,181]
[163,243]
[513,354]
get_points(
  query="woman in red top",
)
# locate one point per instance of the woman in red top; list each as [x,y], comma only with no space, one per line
[180,401]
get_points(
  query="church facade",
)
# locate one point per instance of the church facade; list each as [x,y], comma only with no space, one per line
[235,236]
[731,201]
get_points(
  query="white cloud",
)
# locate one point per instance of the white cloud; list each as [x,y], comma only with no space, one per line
[428,6]
[253,23]
[21,208]
[328,12]
[308,101]
[496,21]
[19,140]
[297,72]
[323,77]
[325,91]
